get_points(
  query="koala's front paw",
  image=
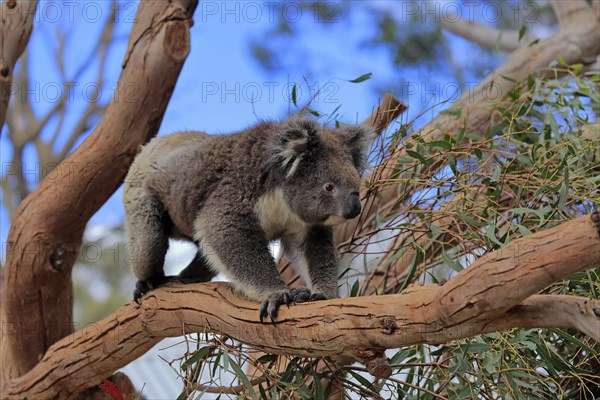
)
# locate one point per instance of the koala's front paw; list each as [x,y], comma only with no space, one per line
[143,287]
[302,295]
[270,306]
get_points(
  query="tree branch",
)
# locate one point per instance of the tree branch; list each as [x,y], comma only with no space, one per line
[21,115]
[386,112]
[100,48]
[518,270]
[466,306]
[486,36]
[15,30]
[46,235]
[8,196]
[572,14]
[560,311]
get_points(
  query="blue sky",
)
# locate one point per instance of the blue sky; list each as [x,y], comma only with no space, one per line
[221,87]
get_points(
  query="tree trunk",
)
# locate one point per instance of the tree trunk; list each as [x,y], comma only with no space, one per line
[46,235]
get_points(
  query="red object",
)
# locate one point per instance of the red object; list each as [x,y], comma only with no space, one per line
[112,390]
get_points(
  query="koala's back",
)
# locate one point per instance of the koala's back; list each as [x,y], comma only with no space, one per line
[140,188]
[159,147]
[183,170]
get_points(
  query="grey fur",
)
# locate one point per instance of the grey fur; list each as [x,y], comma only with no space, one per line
[232,194]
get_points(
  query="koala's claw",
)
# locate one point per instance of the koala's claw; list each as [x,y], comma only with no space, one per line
[315,296]
[143,287]
[300,295]
[270,306]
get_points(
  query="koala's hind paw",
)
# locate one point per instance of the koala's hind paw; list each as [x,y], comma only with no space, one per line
[143,287]
[302,295]
[315,296]
[270,306]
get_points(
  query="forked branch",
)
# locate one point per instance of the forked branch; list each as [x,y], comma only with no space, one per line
[46,235]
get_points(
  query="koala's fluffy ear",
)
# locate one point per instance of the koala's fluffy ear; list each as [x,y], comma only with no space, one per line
[294,140]
[358,138]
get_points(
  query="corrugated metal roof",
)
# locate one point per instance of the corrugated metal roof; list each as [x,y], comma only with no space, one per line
[152,376]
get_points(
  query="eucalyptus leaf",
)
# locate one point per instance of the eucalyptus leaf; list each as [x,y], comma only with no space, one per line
[362,78]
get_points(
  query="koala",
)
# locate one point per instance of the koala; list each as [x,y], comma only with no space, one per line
[232,194]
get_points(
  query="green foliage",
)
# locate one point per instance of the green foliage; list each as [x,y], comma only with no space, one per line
[533,168]
[362,78]
[460,197]
[530,170]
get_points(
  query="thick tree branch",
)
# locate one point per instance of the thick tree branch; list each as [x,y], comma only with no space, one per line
[46,235]
[484,35]
[519,270]
[466,306]
[572,14]
[15,30]
[560,311]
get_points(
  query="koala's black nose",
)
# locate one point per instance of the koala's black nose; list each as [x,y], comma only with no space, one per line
[352,207]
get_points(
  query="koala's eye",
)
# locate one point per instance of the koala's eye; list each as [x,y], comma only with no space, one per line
[329,187]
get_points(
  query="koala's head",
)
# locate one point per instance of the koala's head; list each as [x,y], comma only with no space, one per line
[320,168]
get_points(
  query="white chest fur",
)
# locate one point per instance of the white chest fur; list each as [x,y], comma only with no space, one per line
[275,216]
